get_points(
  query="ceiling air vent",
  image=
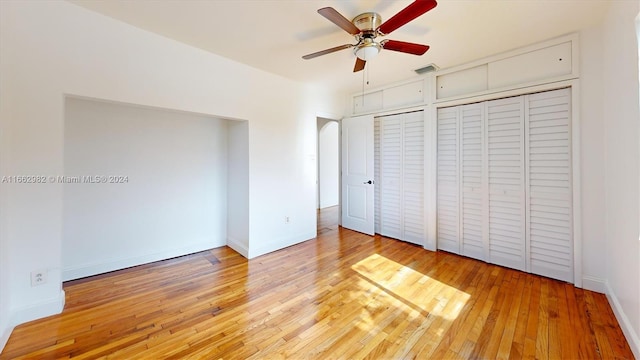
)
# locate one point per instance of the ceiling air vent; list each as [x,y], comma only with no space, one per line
[429,68]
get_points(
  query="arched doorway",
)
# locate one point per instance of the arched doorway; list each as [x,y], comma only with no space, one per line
[328,164]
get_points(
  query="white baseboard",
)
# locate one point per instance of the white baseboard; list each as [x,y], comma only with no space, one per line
[31,312]
[274,246]
[38,310]
[4,336]
[101,267]
[623,320]
[238,246]
[593,283]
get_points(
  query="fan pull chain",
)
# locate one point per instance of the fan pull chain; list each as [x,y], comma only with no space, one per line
[367,70]
[363,89]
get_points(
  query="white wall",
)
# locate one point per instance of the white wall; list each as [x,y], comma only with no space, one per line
[5,278]
[621,119]
[328,163]
[5,325]
[609,134]
[238,187]
[593,159]
[5,312]
[49,49]
[174,200]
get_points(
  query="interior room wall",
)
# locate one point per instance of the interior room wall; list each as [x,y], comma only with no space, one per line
[5,314]
[238,186]
[328,163]
[621,118]
[52,49]
[592,129]
[168,194]
[5,325]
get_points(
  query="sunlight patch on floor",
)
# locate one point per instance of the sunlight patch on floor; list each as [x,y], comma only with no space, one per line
[416,290]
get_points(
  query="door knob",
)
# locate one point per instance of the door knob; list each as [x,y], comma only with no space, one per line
[368,182]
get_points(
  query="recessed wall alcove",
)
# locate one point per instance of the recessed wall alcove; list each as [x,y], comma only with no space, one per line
[176,183]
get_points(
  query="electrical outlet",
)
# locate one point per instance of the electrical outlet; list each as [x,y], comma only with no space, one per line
[38,277]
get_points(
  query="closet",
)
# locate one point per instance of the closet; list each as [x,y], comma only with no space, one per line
[504,182]
[399,176]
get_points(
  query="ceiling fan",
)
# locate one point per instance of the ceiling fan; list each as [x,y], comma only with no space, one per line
[366,28]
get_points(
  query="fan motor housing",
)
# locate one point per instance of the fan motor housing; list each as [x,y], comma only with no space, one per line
[367,22]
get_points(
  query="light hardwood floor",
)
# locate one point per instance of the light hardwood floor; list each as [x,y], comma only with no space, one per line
[328,219]
[343,295]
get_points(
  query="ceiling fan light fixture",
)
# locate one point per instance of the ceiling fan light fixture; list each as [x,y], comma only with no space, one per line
[368,50]
[366,27]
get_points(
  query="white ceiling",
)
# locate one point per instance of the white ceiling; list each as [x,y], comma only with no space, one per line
[272,35]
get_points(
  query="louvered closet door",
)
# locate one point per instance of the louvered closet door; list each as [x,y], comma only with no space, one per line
[506,180]
[447,208]
[391,176]
[549,202]
[413,177]
[472,198]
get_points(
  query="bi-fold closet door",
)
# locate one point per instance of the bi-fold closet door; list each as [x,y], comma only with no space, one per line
[504,182]
[399,176]
[460,180]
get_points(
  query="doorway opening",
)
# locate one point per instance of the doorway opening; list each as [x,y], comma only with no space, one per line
[328,174]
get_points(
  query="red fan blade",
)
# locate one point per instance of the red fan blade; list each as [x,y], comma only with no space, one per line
[405,47]
[335,17]
[407,14]
[327,51]
[359,65]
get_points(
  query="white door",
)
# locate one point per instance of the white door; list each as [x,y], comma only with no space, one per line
[549,189]
[506,147]
[505,182]
[448,207]
[399,165]
[472,181]
[357,174]
[390,183]
[413,221]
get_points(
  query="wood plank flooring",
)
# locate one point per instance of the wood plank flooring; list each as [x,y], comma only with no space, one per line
[343,295]
[328,219]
